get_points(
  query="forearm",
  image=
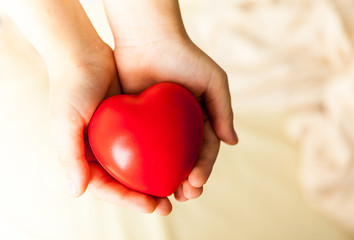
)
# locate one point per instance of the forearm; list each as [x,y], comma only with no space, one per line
[150,20]
[58,29]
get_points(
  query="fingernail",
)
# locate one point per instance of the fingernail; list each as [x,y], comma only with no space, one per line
[235,136]
[73,189]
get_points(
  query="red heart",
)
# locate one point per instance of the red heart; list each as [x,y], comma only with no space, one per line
[148,142]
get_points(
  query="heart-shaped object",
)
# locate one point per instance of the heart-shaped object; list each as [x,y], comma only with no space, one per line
[148,142]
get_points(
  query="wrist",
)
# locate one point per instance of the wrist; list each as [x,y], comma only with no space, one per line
[58,29]
[140,22]
[96,55]
[74,48]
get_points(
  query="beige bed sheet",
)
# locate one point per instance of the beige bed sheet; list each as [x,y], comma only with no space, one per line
[253,193]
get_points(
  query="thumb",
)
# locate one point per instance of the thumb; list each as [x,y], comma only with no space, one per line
[67,127]
[218,104]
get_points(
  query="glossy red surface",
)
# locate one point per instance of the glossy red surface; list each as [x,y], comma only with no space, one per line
[148,142]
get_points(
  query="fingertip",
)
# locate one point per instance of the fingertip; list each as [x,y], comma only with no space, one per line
[78,178]
[234,138]
[144,203]
[163,206]
[147,205]
[179,194]
[196,178]
[228,136]
[191,192]
[139,201]
[75,190]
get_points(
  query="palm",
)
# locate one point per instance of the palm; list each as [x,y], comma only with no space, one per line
[72,104]
[174,60]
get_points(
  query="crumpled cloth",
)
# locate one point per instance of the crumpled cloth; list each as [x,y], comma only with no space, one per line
[326,139]
[315,82]
[295,57]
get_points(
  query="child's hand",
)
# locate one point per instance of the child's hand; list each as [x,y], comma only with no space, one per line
[82,71]
[76,90]
[152,46]
[179,60]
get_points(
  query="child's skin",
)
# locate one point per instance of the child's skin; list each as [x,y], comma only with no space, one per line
[151,46]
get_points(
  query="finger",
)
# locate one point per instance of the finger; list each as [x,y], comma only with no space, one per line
[207,156]
[105,188]
[191,192]
[179,194]
[163,206]
[218,103]
[67,132]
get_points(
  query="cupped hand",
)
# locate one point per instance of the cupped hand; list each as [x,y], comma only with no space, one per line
[77,86]
[175,58]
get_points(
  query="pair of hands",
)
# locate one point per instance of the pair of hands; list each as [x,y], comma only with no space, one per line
[79,85]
